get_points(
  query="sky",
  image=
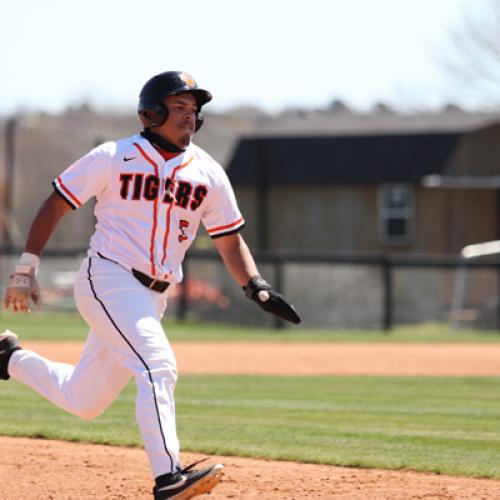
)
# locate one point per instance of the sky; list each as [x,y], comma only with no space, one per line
[273,54]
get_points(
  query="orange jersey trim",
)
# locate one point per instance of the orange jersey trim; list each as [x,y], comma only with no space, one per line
[228,226]
[155,213]
[68,192]
[167,229]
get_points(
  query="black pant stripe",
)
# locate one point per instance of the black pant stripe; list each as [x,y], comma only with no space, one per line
[140,358]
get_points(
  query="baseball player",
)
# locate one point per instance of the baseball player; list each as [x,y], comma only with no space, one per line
[152,191]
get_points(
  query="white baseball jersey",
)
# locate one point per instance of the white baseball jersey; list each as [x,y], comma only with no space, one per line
[148,210]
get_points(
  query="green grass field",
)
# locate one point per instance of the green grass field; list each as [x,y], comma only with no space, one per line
[443,425]
[52,326]
[436,424]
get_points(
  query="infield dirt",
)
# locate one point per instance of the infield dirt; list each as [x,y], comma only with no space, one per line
[31,468]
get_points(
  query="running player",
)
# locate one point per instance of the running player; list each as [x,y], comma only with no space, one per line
[152,191]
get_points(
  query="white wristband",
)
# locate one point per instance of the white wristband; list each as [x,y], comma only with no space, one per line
[28,259]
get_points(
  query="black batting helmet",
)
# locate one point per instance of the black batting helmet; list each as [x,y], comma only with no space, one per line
[151,109]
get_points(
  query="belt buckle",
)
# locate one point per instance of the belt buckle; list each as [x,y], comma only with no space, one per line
[152,284]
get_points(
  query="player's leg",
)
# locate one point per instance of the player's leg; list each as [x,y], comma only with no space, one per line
[126,317]
[85,390]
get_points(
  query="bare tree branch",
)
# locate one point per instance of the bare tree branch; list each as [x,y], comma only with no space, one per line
[475,66]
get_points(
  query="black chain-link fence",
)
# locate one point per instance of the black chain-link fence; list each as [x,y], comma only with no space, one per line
[329,291]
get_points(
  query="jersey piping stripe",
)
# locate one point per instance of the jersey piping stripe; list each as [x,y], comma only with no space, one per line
[61,194]
[227,233]
[138,356]
[167,228]
[155,212]
[58,183]
[228,226]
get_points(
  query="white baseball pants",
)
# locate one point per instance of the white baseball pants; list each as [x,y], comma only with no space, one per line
[126,339]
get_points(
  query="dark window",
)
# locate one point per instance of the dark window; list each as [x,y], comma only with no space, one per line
[396,213]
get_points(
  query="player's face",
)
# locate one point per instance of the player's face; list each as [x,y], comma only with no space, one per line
[179,126]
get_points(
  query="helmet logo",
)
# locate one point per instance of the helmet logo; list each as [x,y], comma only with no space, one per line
[188,80]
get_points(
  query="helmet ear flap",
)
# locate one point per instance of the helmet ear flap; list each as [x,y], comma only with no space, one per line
[161,114]
[155,116]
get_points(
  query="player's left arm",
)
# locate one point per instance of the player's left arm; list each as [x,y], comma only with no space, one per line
[237,257]
[241,265]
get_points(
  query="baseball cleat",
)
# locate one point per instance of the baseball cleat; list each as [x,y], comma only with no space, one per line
[8,344]
[188,483]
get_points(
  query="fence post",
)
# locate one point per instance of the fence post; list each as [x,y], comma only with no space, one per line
[388,299]
[278,323]
[498,297]
[262,197]
[183,304]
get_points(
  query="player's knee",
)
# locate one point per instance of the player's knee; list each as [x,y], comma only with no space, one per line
[83,407]
[165,369]
[162,372]
[88,413]
[166,364]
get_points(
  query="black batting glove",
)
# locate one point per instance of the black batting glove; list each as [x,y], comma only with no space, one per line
[261,292]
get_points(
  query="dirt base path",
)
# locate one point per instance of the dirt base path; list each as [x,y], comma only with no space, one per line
[55,470]
[43,469]
[285,358]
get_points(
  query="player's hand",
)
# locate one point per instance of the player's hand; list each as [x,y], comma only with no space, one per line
[20,289]
[261,292]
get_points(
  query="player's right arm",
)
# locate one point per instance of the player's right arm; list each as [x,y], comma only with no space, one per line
[23,284]
[51,212]
[77,184]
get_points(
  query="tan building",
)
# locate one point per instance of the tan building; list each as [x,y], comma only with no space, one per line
[424,193]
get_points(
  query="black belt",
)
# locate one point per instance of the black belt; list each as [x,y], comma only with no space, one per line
[152,283]
[147,281]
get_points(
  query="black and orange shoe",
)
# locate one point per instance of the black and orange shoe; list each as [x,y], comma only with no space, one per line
[187,483]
